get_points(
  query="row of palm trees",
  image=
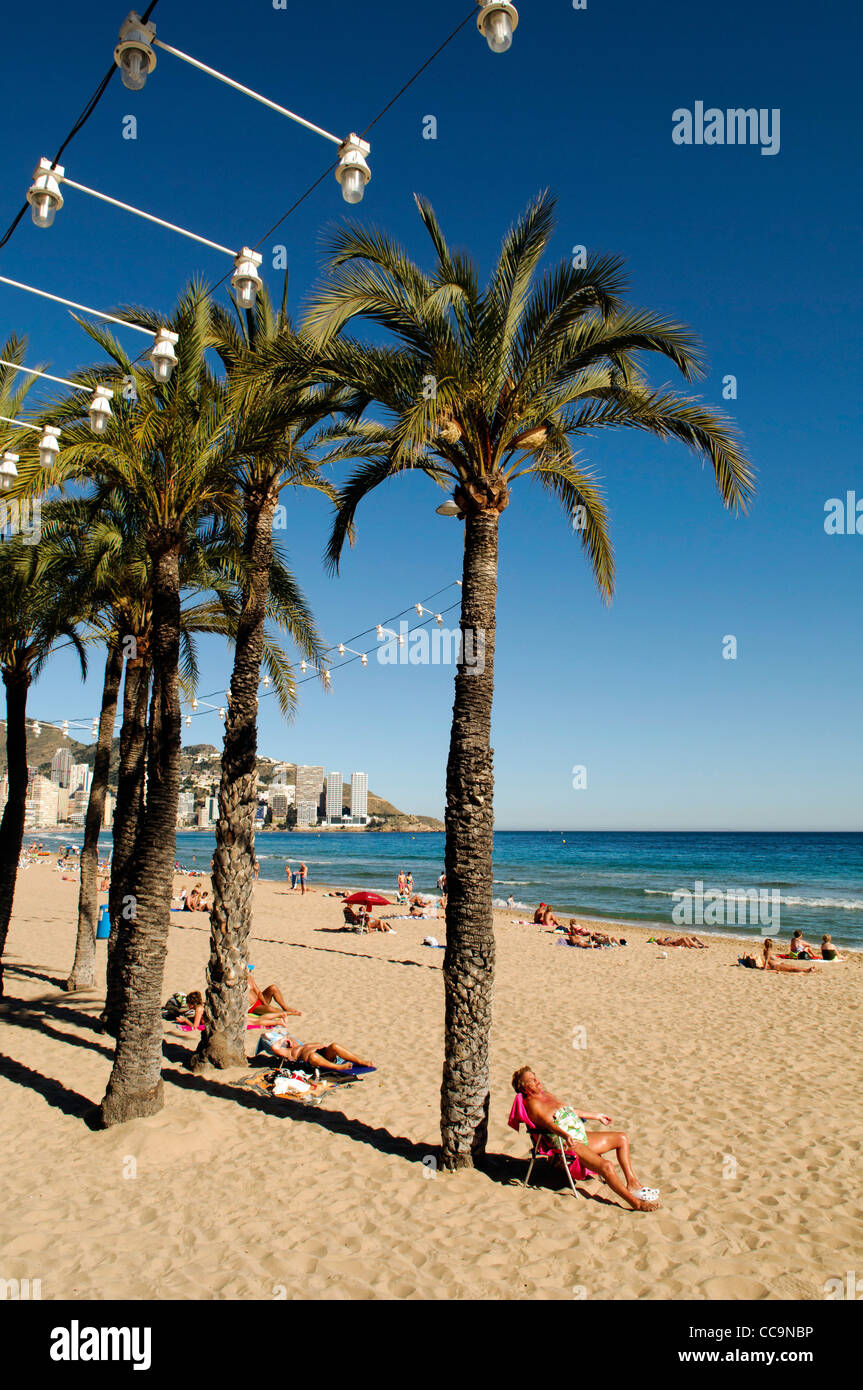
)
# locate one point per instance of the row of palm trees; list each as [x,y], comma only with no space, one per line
[163,528]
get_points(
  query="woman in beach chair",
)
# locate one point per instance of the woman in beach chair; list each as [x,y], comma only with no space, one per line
[550,1115]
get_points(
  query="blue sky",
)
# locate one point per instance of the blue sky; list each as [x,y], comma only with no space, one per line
[758,253]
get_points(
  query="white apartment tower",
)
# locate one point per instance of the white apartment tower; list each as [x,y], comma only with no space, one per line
[359,797]
[334,797]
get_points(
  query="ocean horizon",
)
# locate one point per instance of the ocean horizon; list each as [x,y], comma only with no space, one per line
[811,880]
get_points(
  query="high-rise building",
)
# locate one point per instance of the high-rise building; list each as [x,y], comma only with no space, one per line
[359,797]
[310,780]
[42,803]
[61,766]
[334,797]
[185,808]
[307,813]
[80,775]
[280,798]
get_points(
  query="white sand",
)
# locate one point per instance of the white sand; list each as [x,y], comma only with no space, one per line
[740,1093]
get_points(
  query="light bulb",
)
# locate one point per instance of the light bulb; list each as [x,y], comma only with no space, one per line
[95,729]
[100,409]
[48,446]
[303,667]
[222,715]
[419,608]
[266,682]
[8,470]
[134,70]
[364,661]
[438,619]
[194,704]
[245,280]
[246,290]
[188,720]
[341,649]
[380,632]
[498,31]
[36,730]
[43,210]
[353,186]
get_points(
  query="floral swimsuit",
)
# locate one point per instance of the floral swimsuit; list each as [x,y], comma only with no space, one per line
[569,1120]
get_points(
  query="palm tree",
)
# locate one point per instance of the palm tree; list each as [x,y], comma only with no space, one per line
[272,451]
[38,607]
[172,461]
[483,387]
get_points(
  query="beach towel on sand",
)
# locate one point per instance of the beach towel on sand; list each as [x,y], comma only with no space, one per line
[262,1083]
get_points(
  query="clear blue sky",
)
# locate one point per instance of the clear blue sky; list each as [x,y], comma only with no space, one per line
[760,254]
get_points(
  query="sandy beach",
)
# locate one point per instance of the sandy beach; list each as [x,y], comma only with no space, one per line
[739,1091]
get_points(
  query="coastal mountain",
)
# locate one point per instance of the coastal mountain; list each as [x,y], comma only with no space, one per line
[199,773]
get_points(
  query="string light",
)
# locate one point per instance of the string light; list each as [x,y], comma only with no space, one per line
[8,469]
[99,411]
[496,22]
[135,58]
[45,199]
[161,355]
[201,707]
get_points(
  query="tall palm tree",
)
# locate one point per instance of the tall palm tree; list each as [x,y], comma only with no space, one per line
[482,387]
[272,451]
[38,607]
[173,463]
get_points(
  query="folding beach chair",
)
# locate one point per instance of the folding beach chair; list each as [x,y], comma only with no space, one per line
[355,919]
[547,1147]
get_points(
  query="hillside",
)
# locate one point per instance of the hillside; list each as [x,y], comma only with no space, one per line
[199,772]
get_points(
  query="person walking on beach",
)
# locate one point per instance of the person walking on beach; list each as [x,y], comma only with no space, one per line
[409,884]
[441,883]
[303,872]
[402,883]
[289,877]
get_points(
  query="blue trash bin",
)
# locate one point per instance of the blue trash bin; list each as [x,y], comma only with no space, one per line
[103,928]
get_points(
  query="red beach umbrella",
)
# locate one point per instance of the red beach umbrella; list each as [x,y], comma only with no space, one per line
[368,899]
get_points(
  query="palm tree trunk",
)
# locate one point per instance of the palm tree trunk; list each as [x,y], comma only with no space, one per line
[223,1042]
[127,818]
[469,959]
[17,684]
[135,1084]
[83,974]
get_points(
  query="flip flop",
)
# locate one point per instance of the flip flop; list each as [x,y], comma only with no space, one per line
[647,1194]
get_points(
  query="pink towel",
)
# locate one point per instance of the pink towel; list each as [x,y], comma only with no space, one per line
[518,1116]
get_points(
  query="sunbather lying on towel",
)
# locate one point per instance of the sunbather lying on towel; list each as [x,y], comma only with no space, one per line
[333,1056]
[267,1005]
[550,1114]
[694,943]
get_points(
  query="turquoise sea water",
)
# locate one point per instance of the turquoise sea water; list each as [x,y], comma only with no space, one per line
[816,879]
[632,875]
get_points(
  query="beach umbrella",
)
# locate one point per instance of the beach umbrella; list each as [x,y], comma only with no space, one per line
[369,899]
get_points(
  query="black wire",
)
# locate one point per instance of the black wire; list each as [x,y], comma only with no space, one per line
[79,124]
[330,167]
[54,724]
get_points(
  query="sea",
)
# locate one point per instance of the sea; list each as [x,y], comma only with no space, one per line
[808,880]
